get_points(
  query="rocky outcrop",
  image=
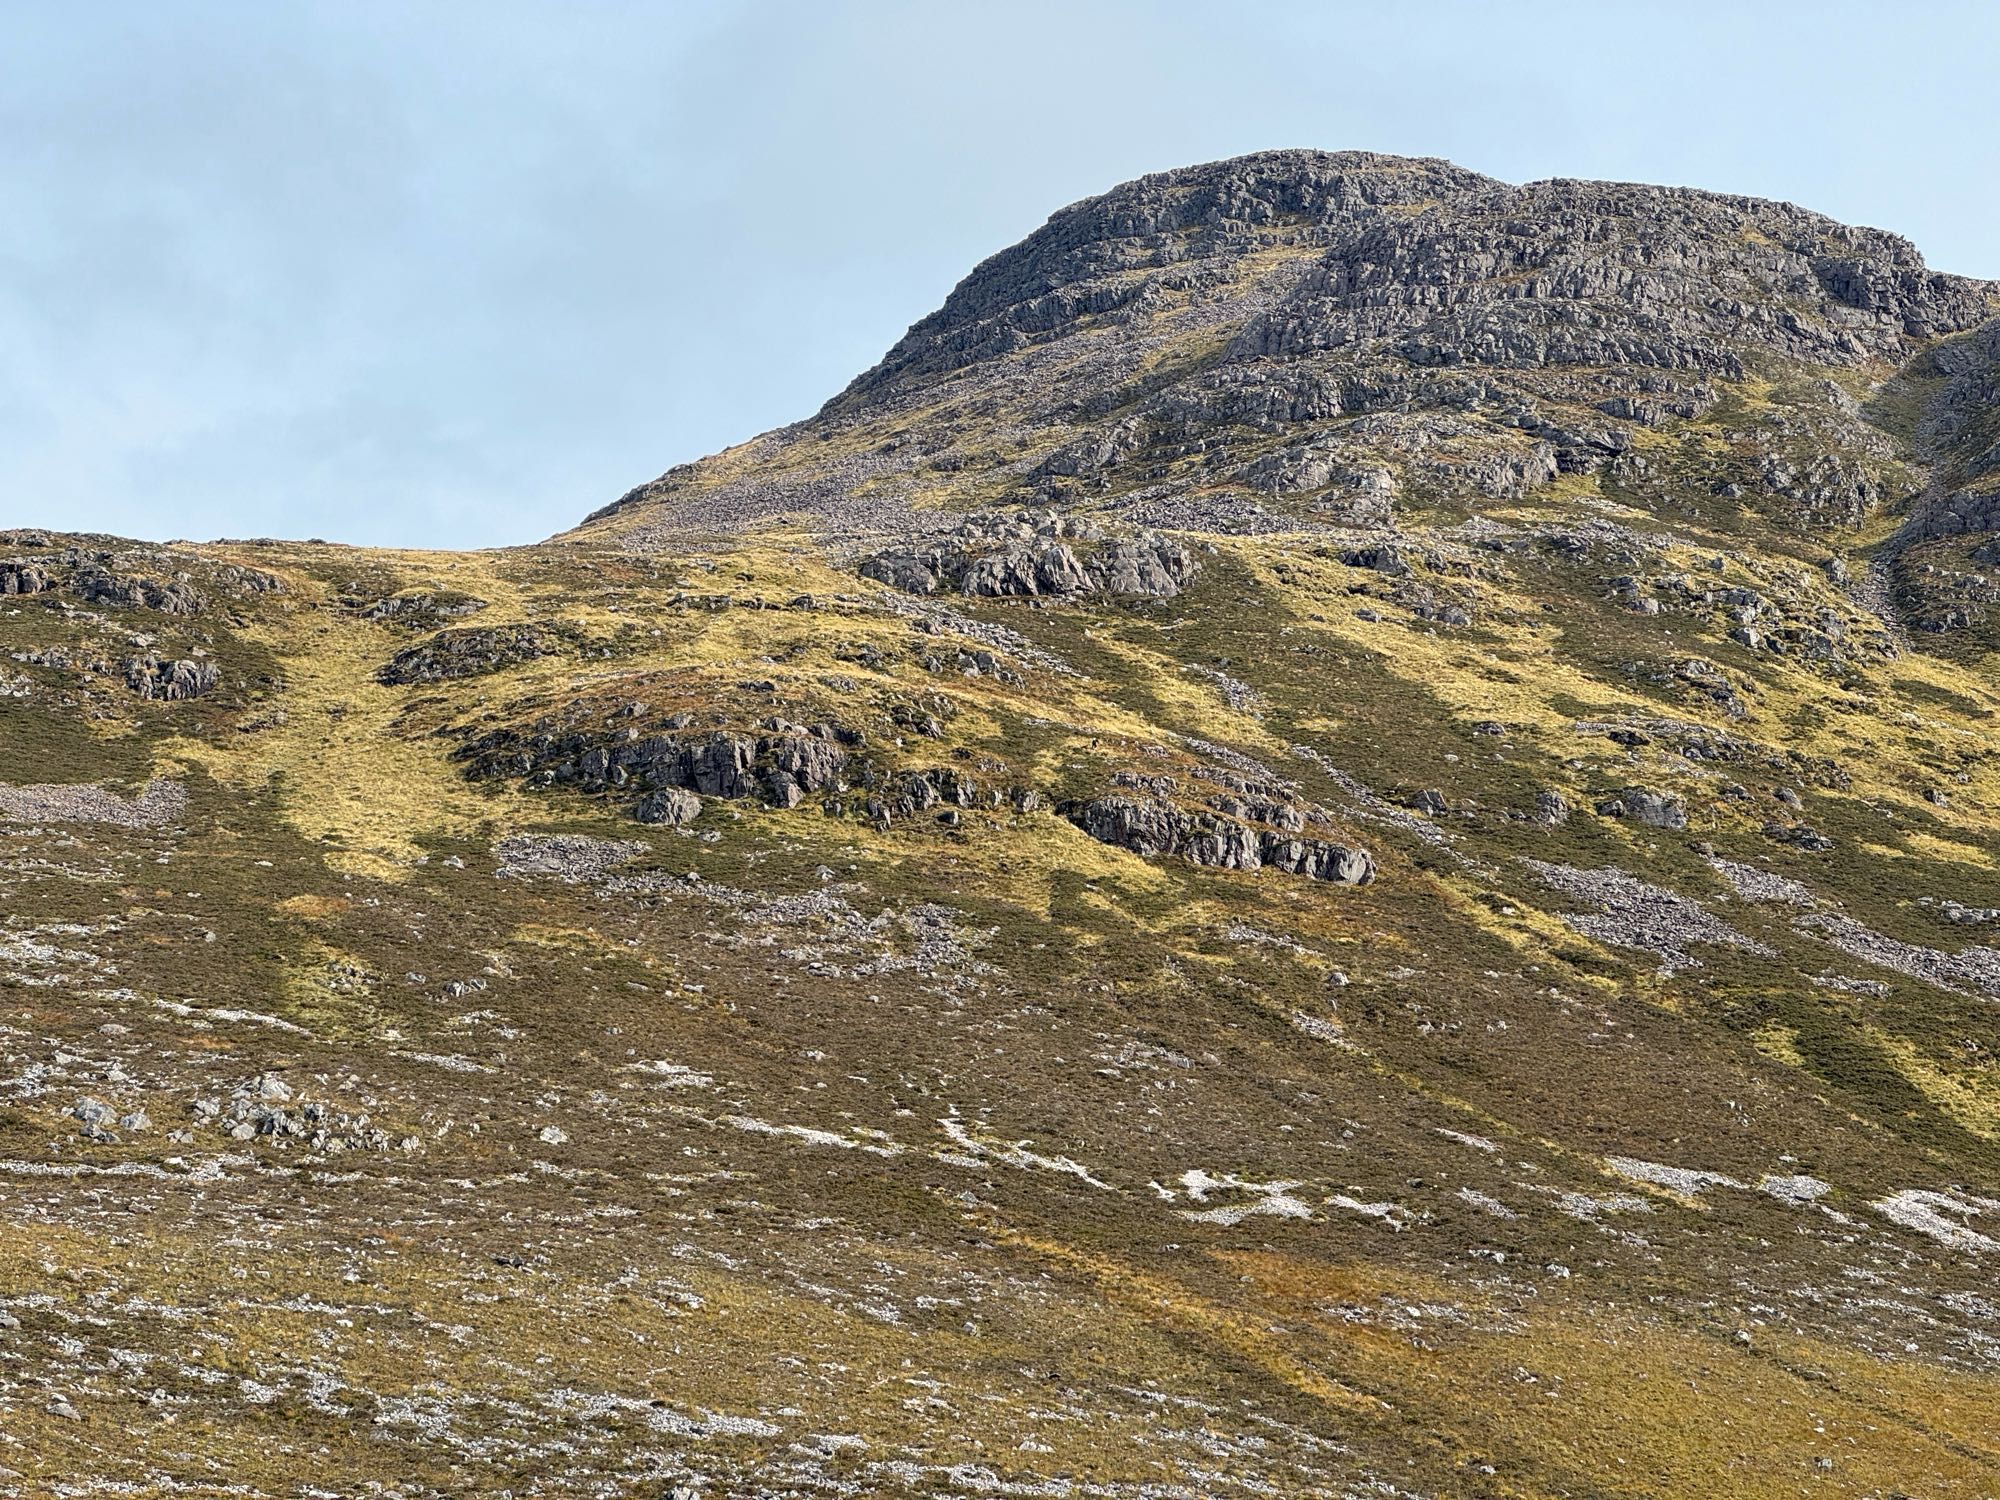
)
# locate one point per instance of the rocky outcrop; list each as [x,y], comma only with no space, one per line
[781,764]
[467,652]
[1959,428]
[240,580]
[1960,513]
[1027,556]
[1358,494]
[97,584]
[943,792]
[1643,805]
[1456,268]
[108,579]
[786,761]
[17,578]
[1151,826]
[424,609]
[170,681]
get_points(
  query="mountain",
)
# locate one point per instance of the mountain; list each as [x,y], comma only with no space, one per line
[1336,837]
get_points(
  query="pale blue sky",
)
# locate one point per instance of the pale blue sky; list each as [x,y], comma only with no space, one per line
[458,274]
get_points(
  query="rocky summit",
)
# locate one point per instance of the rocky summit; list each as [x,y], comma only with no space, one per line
[1339,836]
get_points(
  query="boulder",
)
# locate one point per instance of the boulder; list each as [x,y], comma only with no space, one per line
[670,806]
[1641,805]
[902,570]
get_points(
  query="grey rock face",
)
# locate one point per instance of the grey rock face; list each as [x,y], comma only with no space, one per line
[1025,556]
[238,579]
[17,578]
[1070,266]
[1145,826]
[1427,275]
[1358,495]
[1960,433]
[1151,826]
[900,570]
[1324,334]
[1319,860]
[1149,566]
[426,608]
[96,584]
[170,681]
[1551,808]
[716,764]
[782,766]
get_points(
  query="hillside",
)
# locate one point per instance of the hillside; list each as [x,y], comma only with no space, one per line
[1336,837]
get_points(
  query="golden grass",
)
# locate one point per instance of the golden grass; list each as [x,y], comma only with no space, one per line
[1969,1095]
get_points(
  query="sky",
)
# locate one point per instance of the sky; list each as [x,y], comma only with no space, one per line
[439,275]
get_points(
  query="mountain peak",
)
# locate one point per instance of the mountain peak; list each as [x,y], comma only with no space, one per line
[1211,330]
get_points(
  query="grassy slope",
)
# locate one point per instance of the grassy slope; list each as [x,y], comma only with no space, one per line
[716,1268]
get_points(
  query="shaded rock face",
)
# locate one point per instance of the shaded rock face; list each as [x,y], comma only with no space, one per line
[467,652]
[671,806]
[709,763]
[1073,265]
[1361,495]
[784,764]
[241,580]
[1026,556]
[1959,431]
